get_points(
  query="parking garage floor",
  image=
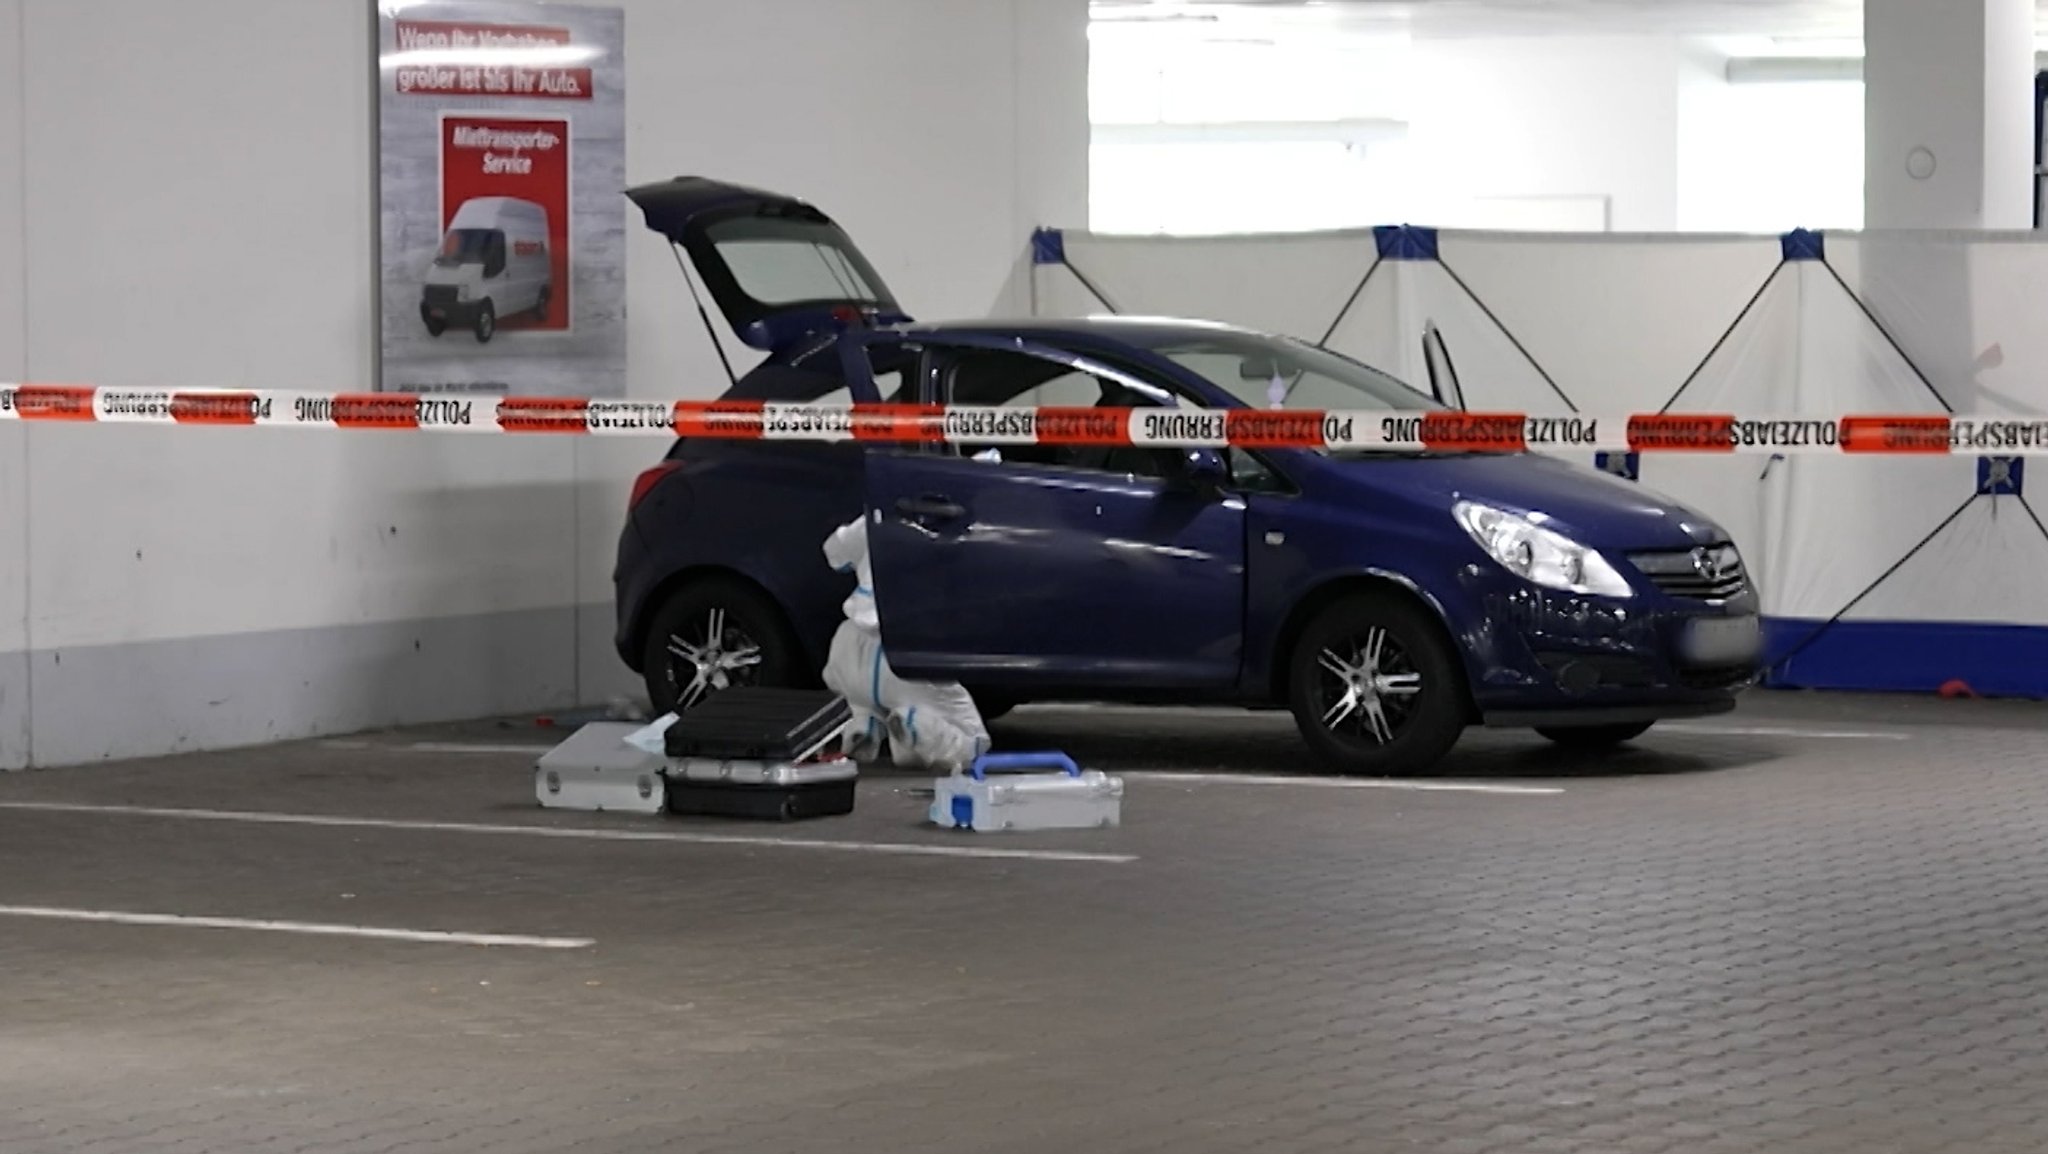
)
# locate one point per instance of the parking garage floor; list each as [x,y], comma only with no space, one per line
[1817,924]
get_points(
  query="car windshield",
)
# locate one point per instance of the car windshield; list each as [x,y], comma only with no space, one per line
[464,246]
[1276,373]
[1265,372]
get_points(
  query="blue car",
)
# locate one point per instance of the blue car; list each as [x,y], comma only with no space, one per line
[1387,600]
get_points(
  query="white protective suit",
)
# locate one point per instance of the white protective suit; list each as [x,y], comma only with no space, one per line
[926,723]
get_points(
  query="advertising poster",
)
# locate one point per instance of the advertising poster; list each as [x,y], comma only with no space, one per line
[501,174]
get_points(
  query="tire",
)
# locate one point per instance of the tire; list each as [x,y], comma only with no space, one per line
[747,624]
[435,325]
[1417,682]
[486,323]
[1594,736]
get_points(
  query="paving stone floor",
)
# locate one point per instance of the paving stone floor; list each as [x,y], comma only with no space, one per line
[1818,924]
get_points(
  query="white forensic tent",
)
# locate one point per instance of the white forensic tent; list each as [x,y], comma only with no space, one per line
[1877,572]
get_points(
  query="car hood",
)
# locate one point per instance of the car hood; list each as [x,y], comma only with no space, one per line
[440,274]
[1588,505]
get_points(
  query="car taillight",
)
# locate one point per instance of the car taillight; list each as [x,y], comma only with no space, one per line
[645,482]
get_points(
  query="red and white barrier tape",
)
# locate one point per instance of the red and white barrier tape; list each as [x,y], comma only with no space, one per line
[1360,430]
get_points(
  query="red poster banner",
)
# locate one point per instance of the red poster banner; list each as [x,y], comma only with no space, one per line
[505,217]
[451,58]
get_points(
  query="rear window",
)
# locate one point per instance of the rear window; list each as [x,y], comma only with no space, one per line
[784,262]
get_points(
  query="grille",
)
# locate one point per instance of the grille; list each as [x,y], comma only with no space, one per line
[1711,573]
[441,295]
[1610,671]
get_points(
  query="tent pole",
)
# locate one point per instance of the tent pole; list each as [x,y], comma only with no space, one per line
[1467,289]
[1888,338]
[1349,301]
[1824,626]
[1090,286]
[1723,339]
[2035,517]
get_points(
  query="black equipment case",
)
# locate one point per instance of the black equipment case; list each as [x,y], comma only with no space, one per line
[758,753]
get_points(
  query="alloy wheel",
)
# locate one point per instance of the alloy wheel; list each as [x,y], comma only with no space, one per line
[711,655]
[1368,687]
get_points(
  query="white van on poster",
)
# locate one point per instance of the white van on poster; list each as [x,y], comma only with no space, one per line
[501,169]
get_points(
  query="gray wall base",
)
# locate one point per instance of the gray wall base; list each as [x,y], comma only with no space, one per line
[162,697]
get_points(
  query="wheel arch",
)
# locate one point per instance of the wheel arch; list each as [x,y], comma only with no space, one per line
[689,575]
[1281,661]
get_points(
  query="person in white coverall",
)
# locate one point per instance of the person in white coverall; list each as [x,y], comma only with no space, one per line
[927,723]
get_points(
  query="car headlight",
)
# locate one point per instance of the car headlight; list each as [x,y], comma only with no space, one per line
[1539,555]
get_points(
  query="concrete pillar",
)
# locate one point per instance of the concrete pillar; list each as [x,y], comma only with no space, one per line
[1048,49]
[1948,113]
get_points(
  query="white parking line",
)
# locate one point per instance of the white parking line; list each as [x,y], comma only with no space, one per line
[434,936]
[530,750]
[1154,775]
[909,849]
[1781,731]
[476,747]
[1343,782]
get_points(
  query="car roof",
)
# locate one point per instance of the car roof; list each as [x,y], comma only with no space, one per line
[1142,332]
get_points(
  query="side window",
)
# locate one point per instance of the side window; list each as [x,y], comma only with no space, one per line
[895,369]
[1019,380]
[1249,474]
[890,386]
[1069,390]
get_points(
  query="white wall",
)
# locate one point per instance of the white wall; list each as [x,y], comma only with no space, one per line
[1248,165]
[14,495]
[1549,117]
[1768,157]
[1513,132]
[201,588]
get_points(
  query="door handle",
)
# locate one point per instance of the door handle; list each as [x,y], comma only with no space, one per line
[929,506]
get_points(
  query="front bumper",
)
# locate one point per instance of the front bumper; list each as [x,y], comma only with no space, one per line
[449,310]
[1538,657]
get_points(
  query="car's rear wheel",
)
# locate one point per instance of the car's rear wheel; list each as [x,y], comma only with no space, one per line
[712,635]
[1376,687]
[1594,736]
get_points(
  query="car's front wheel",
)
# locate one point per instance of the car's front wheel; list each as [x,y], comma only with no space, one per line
[1594,736]
[1376,688]
[713,635]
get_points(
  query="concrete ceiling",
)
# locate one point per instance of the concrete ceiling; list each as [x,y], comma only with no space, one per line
[1792,19]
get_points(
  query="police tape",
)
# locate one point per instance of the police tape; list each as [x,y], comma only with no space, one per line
[1345,430]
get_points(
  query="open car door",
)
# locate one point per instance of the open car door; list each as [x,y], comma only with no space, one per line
[777,268]
[1443,376]
[1063,566]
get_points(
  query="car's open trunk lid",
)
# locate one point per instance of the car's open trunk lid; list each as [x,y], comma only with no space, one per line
[778,268]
